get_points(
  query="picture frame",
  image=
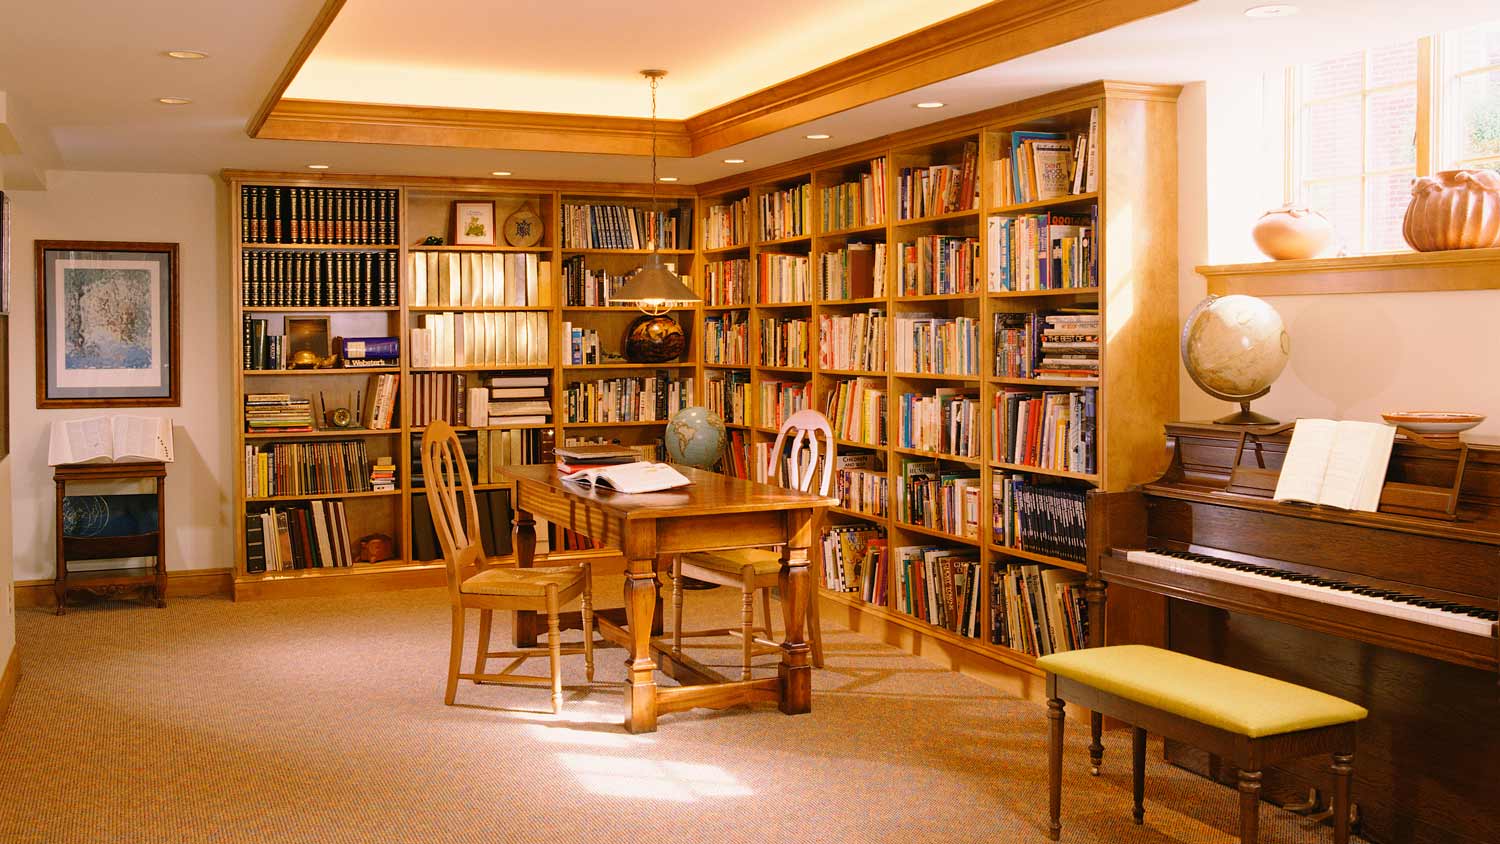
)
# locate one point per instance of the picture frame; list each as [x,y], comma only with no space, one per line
[307,333]
[473,222]
[107,329]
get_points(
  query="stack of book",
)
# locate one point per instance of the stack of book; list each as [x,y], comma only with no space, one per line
[940,188]
[326,278]
[1042,252]
[938,265]
[517,400]
[309,536]
[941,499]
[1042,519]
[1054,429]
[946,422]
[847,555]
[625,227]
[1056,345]
[583,346]
[651,452]
[316,468]
[853,342]
[856,203]
[648,398]
[472,339]
[941,586]
[779,400]
[726,339]
[727,282]
[479,279]
[856,410]
[856,271]
[728,394]
[383,475]
[267,413]
[380,401]
[783,341]
[783,278]
[927,344]
[727,224]
[1048,165]
[786,213]
[861,485]
[1038,610]
[360,216]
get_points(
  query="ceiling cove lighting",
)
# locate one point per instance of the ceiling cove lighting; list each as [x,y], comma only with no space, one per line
[932,104]
[317,166]
[818,136]
[173,100]
[189,55]
[1274,10]
[654,288]
[734,161]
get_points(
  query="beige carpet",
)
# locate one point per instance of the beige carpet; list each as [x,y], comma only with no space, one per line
[321,720]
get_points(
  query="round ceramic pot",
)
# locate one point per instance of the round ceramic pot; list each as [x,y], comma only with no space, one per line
[1456,209]
[1288,234]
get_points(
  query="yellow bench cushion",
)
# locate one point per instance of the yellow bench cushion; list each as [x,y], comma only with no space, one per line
[764,560]
[1238,701]
[523,583]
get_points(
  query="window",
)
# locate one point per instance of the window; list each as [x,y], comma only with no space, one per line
[1471,59]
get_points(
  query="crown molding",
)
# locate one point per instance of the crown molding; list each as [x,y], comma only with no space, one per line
[309,42]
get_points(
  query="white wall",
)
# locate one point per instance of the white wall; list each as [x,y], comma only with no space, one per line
[1353,356]
[182,209]
[7,560]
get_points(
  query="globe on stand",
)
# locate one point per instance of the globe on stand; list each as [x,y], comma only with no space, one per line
[695,437]
[1234,347]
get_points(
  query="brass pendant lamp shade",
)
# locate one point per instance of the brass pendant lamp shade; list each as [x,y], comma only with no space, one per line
[654,288]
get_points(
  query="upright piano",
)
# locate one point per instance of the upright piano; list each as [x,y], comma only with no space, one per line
[1395,610]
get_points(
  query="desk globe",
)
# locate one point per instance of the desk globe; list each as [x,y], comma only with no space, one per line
[1234,347]
[695,437]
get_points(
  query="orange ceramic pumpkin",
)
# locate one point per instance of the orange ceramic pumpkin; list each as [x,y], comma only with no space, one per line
[1456,209]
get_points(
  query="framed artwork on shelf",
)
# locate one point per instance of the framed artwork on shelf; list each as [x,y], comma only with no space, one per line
[473,222]
[307,334]
[106,324]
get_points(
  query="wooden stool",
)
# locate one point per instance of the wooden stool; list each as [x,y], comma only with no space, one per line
[1252,721]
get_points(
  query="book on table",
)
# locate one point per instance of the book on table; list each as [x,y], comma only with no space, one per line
[111,439]
[599,454]
[631,477]
[1338,464]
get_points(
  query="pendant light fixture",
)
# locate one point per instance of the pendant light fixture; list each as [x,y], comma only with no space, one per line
[654,288]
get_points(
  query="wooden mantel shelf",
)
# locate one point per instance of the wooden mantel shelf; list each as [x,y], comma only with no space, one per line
[1401,272]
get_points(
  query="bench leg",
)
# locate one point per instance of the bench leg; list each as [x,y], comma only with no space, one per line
[1096,746]
[1249,807]
[1138,771]
[1056,716]
[1343,770]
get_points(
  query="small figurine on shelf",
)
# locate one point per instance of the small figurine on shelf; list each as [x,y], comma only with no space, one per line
[374,548]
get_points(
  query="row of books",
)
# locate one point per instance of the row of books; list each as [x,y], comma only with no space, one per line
[383,475]
[736,460]
[380,401]
[853,342]
[1048,165]
[1042,252]
[929,495]
[1048,344]
[847,556]
[1038,610]
[855,203]
[292,279]
[594,288]
[314,535]
[855,272]
[946,422]
[1055,429]
[779,400]
[856,410]
[786,213]
[726,339]
[728,394]
[938,265]
[861,485]
[333,467]
[783,278]
[935,345]
[494,526]
[941,586]
[727,282]
[448,396]
[939,188]
[487,453]
[625,227]
[1043,519]
[727,224]
[270,413]
[479,279]
[510,338]
[355,216]
[783,341]
[583,345]
[646,398]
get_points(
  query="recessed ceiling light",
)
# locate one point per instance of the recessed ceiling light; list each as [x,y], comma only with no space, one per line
[734,161]
[317,166]
[1274,10]
[186,54]
[818,136]
[173,100]
[499,172]
[933,104]
[667,179]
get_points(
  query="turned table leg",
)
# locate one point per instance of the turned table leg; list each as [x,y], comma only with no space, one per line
[795,583]
[523,539]
[1249,806]
[640,670]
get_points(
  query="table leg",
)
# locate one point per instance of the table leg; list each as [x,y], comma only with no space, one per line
[796,590]
[60,582]
[523,540]
[161,542]
[641,600]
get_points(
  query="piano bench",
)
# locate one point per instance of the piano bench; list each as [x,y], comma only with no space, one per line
[1249,720]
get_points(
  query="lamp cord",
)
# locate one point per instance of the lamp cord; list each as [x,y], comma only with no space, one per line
[655,223]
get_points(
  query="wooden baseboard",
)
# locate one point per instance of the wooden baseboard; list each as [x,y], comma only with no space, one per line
[184,583]
[8,680]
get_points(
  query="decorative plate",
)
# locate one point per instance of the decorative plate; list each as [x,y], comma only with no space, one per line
[523,228]
[1433,423]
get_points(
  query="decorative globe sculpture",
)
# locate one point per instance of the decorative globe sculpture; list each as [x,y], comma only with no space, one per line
[1234,347]
[654,339]
[695,437]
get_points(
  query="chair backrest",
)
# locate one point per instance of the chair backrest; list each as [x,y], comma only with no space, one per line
[446,474]
[801,462]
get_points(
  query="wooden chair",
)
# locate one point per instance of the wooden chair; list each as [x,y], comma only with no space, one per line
[542,589]
[753,569]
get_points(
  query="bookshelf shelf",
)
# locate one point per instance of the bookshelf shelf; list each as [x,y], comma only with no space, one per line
[799,240]
[332,495]
[676,364]
[856,230]
[542,250]
[724,250]
[364,370]
[716,308]
[937,376]
[938,297]
[936,534]
[569,251]
[1038,470]
[852,373]
[1048,559]
[857,444]
[861,302]
[645,424]
[969,214]
[727,366]
[619,309]
[531,426]
[1056,291]
[313,247]
[869,517]
[508,367]
[766,305]
[344,571]
[437,309]
[1044,382]
[318,310]
[790,370]
[1044,204]
[332,433]
[938,455]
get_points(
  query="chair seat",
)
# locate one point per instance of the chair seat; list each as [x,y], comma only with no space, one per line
[732,562]
[522,583]
[1238,701]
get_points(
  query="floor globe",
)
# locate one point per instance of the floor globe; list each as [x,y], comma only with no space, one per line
[695,437]
[1234,347]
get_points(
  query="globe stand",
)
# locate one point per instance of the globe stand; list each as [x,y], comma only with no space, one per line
[1245,416]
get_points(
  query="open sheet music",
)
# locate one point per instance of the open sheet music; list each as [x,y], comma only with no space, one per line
[631,477]
[111,439]
[1338,464]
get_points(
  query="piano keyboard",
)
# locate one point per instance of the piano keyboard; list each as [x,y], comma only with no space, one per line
[1446,614]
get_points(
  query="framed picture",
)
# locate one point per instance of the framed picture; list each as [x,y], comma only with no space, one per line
[106,324]
[473,223]
[306,334]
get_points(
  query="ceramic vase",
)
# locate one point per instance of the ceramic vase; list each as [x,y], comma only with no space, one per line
[1291,233]
[1456,209]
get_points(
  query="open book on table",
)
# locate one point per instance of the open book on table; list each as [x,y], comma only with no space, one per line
[631,477]
[111,439]
[1338,464]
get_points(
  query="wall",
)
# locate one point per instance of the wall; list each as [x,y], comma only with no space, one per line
[1353,356]
[182,209]
[7,559]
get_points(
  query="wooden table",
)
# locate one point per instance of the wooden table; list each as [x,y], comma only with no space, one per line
[112,581]
[714,513]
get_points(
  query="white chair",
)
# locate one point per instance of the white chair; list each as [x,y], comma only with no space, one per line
[753,569]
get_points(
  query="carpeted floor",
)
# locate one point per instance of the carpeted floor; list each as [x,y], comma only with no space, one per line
[321,720]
